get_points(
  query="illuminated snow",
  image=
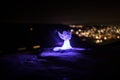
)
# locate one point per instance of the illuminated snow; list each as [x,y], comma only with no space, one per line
[63,55]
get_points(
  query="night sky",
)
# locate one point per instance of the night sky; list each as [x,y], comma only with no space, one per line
[81,12]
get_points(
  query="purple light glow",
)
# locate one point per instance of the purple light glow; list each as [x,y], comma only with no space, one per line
[66,52]
[65,55]
[59,54]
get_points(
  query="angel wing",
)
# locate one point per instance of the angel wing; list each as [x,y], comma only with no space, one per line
[61,36]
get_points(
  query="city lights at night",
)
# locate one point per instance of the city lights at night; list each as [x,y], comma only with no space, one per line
[99,34]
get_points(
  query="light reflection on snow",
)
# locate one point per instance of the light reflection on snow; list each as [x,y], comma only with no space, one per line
[67,55]
[59,54]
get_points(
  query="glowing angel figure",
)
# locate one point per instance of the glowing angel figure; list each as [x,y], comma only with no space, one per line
[66,36]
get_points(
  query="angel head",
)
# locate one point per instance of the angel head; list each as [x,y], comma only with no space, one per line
[65,35]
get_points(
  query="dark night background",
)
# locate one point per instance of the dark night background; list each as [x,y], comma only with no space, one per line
[92,12]
[16,19]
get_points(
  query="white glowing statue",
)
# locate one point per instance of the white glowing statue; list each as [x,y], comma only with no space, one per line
[66,36]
